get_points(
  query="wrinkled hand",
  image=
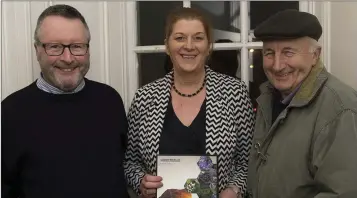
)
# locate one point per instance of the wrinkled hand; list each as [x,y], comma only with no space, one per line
[148,186]
[229,193]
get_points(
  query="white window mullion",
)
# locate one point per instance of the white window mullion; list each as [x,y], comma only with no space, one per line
[106,41]
[2,56]
[326,34]
[216,46]
[304,6]
[244,39]
[245,66]
[312,7]
[150,49]
[235,46]
[187,4]
[132,67]
[307,6]
[244,21]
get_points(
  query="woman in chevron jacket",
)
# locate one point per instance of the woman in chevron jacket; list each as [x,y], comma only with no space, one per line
[192,110]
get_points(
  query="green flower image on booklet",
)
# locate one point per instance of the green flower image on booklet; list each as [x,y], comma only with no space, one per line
[187,176]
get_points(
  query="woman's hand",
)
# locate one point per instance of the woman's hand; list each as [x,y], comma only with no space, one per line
[149,184]
[229,193]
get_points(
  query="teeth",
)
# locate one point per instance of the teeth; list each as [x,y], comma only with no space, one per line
[283,75]
[67,70]
[190,57]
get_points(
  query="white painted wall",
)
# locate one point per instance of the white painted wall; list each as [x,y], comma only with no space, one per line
[344,41]
[108,47]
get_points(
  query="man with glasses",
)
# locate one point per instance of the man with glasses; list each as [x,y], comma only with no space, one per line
[305,138]
[64,135]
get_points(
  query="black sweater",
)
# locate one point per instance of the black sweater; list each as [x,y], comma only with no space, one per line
[66,146]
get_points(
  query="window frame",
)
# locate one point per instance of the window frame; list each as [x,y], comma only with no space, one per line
[132,68]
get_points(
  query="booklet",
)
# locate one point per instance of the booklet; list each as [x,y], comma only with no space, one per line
[187,176]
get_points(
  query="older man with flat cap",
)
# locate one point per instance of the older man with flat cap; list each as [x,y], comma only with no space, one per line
[305,140]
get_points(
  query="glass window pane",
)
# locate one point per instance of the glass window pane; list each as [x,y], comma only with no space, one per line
[155,65]
[261,10]
[151,20]
[152,67]
[226,62]
[224,16]
[256,74]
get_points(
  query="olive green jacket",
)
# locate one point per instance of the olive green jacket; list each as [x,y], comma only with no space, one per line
[310,151]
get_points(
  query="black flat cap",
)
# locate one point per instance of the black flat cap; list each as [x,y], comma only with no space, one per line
[289,24]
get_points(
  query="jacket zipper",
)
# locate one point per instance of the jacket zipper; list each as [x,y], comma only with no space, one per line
[261,151]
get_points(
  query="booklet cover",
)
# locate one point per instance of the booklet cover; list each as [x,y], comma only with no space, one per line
[187,176]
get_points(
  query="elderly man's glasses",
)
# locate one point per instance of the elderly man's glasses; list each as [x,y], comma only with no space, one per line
[57,49]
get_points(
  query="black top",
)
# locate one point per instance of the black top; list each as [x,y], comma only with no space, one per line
[178,139]
[277,105]
[63,146]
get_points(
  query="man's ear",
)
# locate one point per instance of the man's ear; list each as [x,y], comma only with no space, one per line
[37,52]
[316,55]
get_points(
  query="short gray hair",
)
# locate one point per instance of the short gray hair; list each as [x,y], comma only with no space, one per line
[314,45]
[62,10]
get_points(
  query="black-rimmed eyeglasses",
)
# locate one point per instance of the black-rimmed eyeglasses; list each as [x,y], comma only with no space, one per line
[57,49]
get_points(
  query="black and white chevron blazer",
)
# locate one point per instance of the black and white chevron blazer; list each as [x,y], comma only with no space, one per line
[229,128]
